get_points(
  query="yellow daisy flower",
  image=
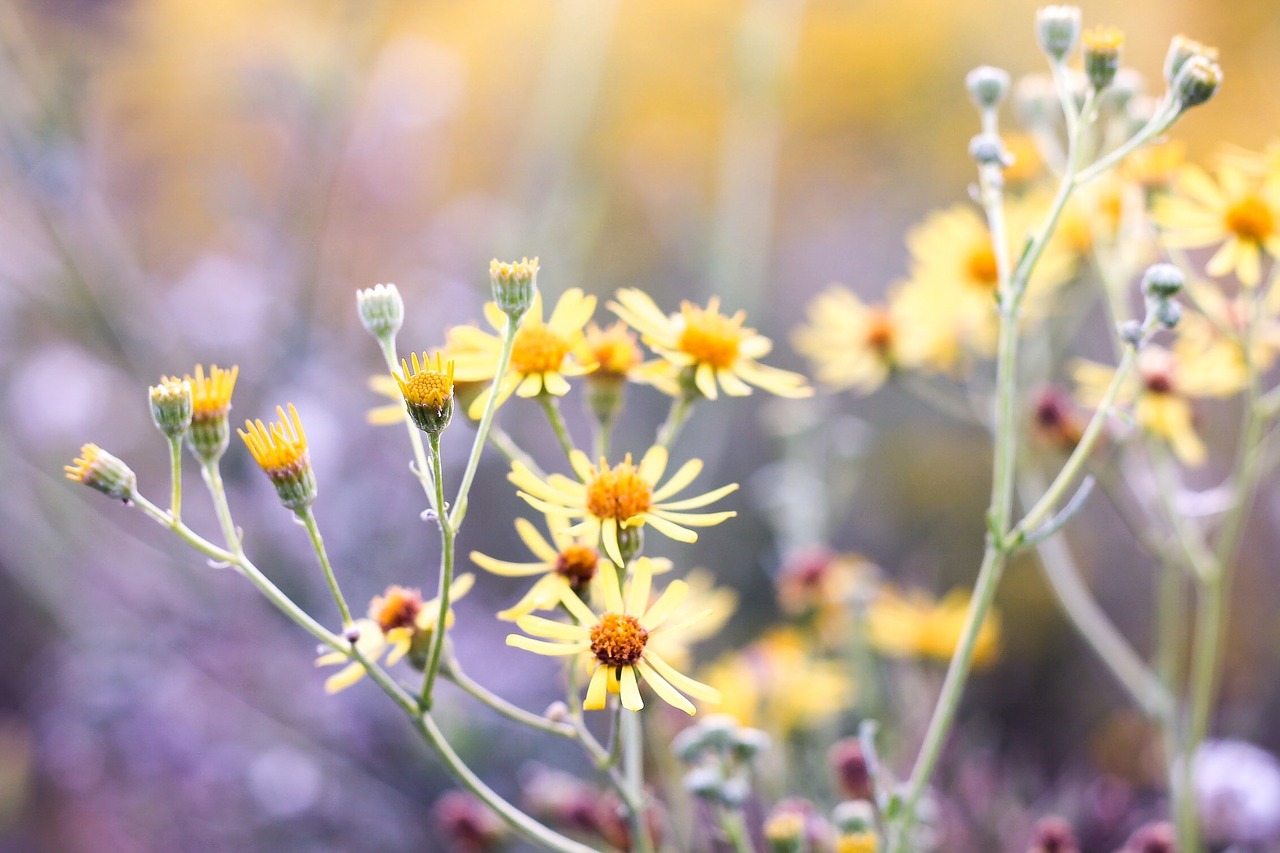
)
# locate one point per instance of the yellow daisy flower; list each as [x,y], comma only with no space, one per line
[544,353]
[610,499]
[614,351]
[778,683]
[914,625]
[400,623]
[1239,210]
[851,344]
[715,351]
[1209,350]
[953,269]
[280,450]
[1160,395]
[618,641]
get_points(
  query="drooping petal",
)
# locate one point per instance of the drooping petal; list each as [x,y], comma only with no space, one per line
[680,681]
[670,529]
[630,691]
[664,689]
[597,690]
[672,597]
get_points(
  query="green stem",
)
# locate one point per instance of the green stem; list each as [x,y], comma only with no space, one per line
[447,534]
[516,819]
[1159,123]
[273,594]
[676,416]
[175,468]
[734,827]
[213,481]
[313,530]
[600,438]
[454,673]
[388,346]
[482,430]
[633,772]
[551,406]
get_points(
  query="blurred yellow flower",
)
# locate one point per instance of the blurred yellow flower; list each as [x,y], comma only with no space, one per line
[618,641]
[915,625]
[852,345]
[1237,209]
[614,351]
[715,350]
[399,623]
[609,500]
[778,683]
[542,356]
[711,606]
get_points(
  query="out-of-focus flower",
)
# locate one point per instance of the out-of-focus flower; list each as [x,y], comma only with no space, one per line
[400,623]
[281,452]
[610,500]
[618,359]
[1236,209]
[99,470]
[1155,167]
[915,625]
[778,684]
[1152,838]
[852,344]
[821,589]
[210,404]
[1210,348]
[468,823]
[704,347]
[849,766]
[543,354]
[1055,420]
[1026,164]
[1102,54]
[954,269]
[705,610]
[1160,393]
[618,641]
[1237,790]
[1053,835]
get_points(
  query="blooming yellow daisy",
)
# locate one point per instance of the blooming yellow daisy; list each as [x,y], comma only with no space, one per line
[618,641]
[1160,394]
[544,353]
[716,350]
[914,625]
[612,498]
[953,269]
[1239,210]
[399,623]
[1210,351]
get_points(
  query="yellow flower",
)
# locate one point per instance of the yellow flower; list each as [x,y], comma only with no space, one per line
[1239,210]
[614,351]
[566,561]
[1160,394]
[851,344]
[778,683]
[715,350]
[427,393]
[618,642]
[399,622]
[612,499]
[954,274]
[210,432]
[281,452]
[542,356]
[99,470]
[914,625]
[857,842]
[1210,352]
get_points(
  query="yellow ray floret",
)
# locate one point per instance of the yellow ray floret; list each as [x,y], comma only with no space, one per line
[279,447]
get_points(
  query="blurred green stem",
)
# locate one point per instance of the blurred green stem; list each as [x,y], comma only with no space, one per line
[447,534]
[459,509]
[551,405]
[313,530]
[175,478]
[632,727]
[676,416]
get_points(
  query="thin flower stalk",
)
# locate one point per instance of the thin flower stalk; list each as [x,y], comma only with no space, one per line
[447,535]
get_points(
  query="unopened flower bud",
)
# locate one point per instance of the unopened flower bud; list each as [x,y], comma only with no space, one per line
[630,542]
[1102,55]
[735,791]
[427,392]
[1058,30]
[1162,281]
[99,470]
[748,743]
[689,744]
[1182,49]
[381,310]
[1152,838]
[557,712]
[704,782]
[718,730]
[987,86]
[514,285]
[171,406]
[352,634]
[988,150]
[854,816]
[1198,80]
[1168,313]
[784,832]
[849,762]
[1054,835]
[1130,332]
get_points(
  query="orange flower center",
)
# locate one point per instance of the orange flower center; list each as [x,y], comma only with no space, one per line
[880,331]
[710,337]
[614,349]
[396,608]
[577,564]
[538,349]
[1251,218]
[619,492]
[618,640]
[982,267]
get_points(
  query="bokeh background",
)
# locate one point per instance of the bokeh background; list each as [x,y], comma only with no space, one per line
[210,182]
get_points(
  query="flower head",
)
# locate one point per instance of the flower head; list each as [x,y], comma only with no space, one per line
[542,356]
[617,641]
[400,623]
[171,406]
[914,625]
[515,285]
[1239,210]
[381,310]
[99,470]
[854,345]
[210,404]
[705,348]
[427,392]
[281,452]
[611,499]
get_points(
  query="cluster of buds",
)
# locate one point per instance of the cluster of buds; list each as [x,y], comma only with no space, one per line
[719,754]
[1161,283]
[566,801]
[1192,71]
